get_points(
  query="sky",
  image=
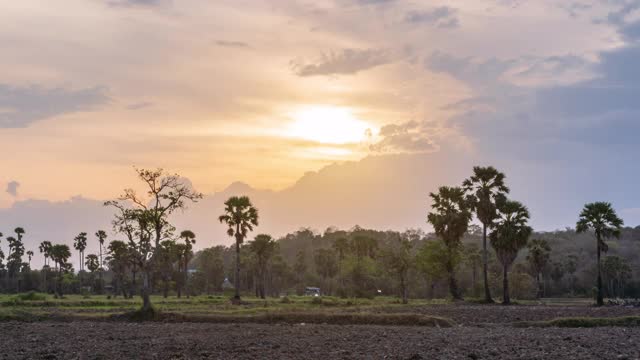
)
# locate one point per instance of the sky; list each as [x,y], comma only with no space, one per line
[329,112]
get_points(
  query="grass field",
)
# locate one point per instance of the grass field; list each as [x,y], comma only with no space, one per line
[299,309]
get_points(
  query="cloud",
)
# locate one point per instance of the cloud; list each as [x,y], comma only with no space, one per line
[139,105]
[440,17]
[524,71]
[346,61]
[22,106]
[232,44]
[134,3]
[12,188]
[409,137]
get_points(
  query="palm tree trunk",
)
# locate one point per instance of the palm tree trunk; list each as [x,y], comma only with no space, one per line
[600,299]
[506,300]
[485,265]
[44,278]
[540,290]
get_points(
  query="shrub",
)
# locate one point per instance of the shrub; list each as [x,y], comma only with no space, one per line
[31,296]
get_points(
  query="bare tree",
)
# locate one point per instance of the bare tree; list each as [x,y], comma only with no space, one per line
[144,218]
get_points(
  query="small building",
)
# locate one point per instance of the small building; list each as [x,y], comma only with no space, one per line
[312,291]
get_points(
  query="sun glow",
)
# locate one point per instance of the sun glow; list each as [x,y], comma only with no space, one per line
[328,125]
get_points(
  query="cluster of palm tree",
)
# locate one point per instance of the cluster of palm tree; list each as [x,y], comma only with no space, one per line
[505,224]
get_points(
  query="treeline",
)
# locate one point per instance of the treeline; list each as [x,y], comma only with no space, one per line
[307,258]
[459,259]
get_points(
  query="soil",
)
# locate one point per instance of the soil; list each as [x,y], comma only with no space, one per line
[490,336]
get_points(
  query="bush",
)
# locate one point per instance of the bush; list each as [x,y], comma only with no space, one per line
[285,300]
[316,300]
[31,296]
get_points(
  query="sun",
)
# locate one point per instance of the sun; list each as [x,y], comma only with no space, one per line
[328,125]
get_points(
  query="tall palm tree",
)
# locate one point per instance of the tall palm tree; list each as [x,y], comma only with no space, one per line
[601,218]
[45,249]
[80,244]
[263,247]
[189,238]
[450,217]
[240,216]
[538,257]
[102,236]
[488,189]
[509,236]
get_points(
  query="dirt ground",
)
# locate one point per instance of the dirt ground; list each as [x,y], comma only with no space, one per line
[489,336]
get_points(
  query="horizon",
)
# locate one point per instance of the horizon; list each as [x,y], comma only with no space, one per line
[368,104]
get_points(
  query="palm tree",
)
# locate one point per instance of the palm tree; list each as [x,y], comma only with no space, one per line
[45,249]
[93,264]
[601,218]
[488,189]
[240,216]
[509,236]
[450,217]
[14,258]
[29,255]
[102,236]
[189,238]
[60,255]
[80,244]
[538,257]
[262,247]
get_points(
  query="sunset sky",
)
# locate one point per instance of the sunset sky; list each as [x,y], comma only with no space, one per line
[265,92]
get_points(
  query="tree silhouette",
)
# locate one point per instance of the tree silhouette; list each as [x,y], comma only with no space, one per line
[144,219]
[80,244]
[60,255]
[14,258]
[102,237]
[117,259]
[29,256]
[45,250]
[538,257]
[241,217]
[509,236]
[488,189]
[93,264]
[263,247]
[450,217]
[189,238]
[601,218]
